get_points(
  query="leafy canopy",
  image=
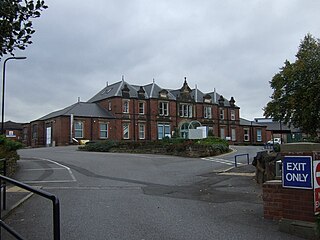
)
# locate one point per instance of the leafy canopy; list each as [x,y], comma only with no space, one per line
[296,96]
[16,23]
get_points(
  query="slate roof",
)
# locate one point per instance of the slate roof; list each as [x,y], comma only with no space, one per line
[151,91]
[245,122]
[275,126]
[9,125]
[80,109]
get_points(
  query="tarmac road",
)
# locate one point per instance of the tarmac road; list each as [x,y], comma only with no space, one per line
[137,196]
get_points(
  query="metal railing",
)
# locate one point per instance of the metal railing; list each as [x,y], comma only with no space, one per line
[239,155]
[53,198]
[3,185]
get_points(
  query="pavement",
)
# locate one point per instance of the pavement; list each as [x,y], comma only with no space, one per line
[15,196]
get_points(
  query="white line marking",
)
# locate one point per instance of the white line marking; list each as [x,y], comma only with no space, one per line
[220,160]
[61,165]
[54,162]
[42,169]
[53,181]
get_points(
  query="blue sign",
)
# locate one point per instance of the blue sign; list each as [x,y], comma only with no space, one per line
[297,172]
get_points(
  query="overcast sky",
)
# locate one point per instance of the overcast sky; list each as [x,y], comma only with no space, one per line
[233,46]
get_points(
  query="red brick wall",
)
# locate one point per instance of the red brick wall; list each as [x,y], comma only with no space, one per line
[289,203]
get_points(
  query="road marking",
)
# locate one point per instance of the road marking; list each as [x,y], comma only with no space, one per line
[62,167]
[50,181]
[220,160]
[42,169]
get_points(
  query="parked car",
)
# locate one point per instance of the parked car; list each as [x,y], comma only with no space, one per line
[274,141]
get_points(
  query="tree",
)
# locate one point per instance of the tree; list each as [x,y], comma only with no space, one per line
[16,23]
[296,97]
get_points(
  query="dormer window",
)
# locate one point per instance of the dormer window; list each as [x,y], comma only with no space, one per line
[207,98]
[163,93]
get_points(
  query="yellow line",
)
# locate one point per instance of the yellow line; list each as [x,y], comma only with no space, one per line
[16,189]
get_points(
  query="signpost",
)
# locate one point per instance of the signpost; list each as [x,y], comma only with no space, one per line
[297,172]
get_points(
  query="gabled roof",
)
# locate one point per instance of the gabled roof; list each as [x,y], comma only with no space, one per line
[80,109]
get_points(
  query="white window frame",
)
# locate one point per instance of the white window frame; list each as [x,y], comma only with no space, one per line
[109,106]
[141,107]
[164,127]
[233,134]
[222,133]
[233,114]
[246,134]
[104,133]
[207,112]
[78,130]
[125,106]
[185,110]
[221,114]
[142,131]
[259,135]
[163,108]
[126,130]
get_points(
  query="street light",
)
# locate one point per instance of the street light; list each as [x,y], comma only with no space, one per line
[3,88]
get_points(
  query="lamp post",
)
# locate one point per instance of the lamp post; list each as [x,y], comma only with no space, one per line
[3,88]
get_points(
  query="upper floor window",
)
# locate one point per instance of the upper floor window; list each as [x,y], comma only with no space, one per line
[233,114]
[103,130]
[207,112]
[221,114]
[78,129]
[185,110]
[141,107]
[109,106]
[163,108]
[125,107]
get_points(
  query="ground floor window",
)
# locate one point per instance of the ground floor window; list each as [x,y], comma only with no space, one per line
[184,130]
[103,130]
[125,130]
[163,130]
[233,135]
[34,131]
[259,135]
[78,129]
[222,133]
[142,131]
[246,136]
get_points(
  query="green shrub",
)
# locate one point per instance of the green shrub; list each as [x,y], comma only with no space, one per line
[9,145]
[101,146]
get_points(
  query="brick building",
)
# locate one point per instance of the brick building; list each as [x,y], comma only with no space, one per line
[123,111]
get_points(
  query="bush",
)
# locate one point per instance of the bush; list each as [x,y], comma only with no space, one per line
[8,150]
[101,146]
[174,146]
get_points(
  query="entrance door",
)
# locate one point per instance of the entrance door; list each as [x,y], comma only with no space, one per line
[48,136]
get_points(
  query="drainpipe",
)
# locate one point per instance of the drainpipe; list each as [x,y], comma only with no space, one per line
[71,128]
